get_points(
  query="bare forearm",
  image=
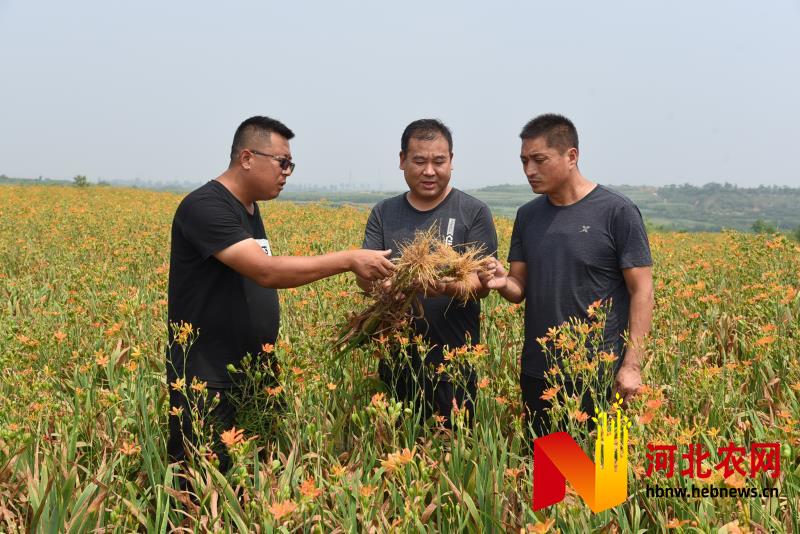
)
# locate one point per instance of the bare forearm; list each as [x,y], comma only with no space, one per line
[640,321]
[514,290]
[293,271]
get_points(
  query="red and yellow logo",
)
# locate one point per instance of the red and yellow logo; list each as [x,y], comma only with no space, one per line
[603,484]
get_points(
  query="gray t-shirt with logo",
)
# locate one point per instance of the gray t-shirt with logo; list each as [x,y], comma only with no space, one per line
[574,256]
[461,220]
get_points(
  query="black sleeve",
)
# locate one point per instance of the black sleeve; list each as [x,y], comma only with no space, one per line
[483,233]
[210,225]
[630,238]
[373,233]
[515,251]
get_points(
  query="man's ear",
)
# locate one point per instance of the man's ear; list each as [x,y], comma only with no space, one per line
[572,155]
[245,159]
[402,160]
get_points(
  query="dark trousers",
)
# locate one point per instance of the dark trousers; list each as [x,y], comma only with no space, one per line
[222,417]
[536,408]
[428,392]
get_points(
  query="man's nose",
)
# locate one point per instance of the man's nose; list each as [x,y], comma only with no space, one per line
[428,170]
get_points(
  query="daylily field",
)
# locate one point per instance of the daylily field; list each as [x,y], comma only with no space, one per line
[84,411]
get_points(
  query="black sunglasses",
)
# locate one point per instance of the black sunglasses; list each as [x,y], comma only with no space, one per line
[284,163]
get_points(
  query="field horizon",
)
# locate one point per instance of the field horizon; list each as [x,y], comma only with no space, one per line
[711,207]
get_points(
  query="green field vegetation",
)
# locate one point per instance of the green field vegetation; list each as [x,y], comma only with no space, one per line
[84,411]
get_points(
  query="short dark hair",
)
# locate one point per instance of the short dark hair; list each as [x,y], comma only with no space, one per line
[256,127]
[558,131]
[427,130]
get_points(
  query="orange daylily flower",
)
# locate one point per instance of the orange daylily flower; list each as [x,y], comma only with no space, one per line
[542,528]
[199,386]
[178,384]
[655,404]
[580,416]
[647,417]
[550,393]
[273,391]
[282,509]
[395,460]
[232,436]
[766,340]
[309,489]
[129,448]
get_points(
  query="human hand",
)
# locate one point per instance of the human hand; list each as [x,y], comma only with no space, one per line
[371,264]
[494,275]
[445,287]
[628,381]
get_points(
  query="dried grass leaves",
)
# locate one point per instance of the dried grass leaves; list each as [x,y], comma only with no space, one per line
[424,264]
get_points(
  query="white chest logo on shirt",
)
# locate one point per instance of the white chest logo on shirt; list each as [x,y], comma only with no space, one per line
[264,244]
[585,229]
[451,228]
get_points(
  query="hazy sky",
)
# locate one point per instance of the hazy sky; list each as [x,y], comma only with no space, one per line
[661,91]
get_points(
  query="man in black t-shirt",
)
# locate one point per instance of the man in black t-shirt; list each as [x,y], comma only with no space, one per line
[426,160]
[223,277]
[577,243]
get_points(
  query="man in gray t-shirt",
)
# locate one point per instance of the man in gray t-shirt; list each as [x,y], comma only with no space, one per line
[425,158]
[577,243]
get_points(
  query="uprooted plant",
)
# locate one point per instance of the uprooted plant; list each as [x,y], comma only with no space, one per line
[425,265]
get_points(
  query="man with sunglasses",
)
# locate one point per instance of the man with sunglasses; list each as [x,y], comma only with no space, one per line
[223,278]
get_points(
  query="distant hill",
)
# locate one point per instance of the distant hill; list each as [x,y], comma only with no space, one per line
[710,207]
